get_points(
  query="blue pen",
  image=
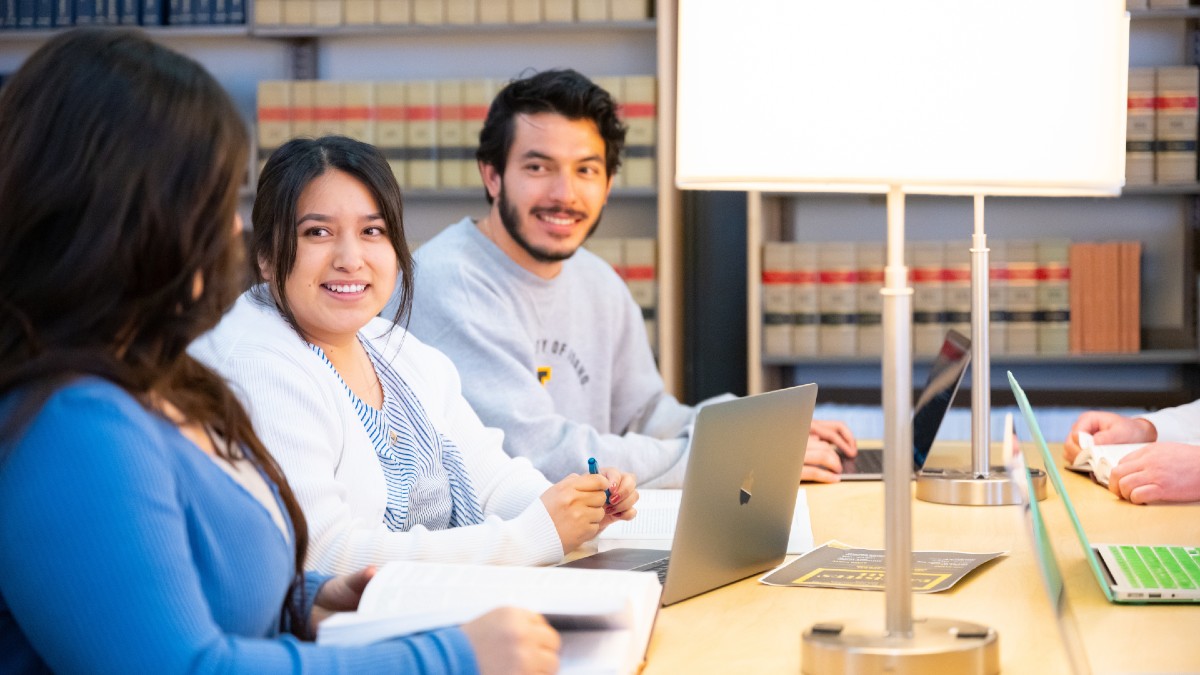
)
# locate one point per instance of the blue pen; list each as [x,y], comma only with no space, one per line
[594,470]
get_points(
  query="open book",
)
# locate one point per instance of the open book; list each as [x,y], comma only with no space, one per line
[603,616]
[1099,460]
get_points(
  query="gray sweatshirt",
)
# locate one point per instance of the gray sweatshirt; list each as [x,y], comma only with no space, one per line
[599,393]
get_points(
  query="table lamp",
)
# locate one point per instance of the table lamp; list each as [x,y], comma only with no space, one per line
[936,97]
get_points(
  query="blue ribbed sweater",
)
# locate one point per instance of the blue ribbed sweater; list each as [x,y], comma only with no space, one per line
[125,549]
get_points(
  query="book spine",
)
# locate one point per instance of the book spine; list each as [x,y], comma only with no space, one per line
[1022,297]
[43,14]
[274,105]
[838,299]
[395,12]
[1054,296]
[111,11]
[304,109]
[203,11]
[806,311]
[462,11]
[429,12]
[592,10]
[391,126]
[179,13]
[328,117]
[776,299]
[361,12]
[268,12]
[477,97]
[929,297]
[615,86]
[640,112]
[24,12]
[84,12]
[1139,128]
[558,11]
[494,11]
[1077,317]
[422,150]
[1109,272]
[1176,92]
[871,257]
[154,13]
[64,13]
[452,150]
[358,107]
[957,279]
[327,13]
[998,296]
[629,10]
[642,278]
[525,11]
[298,12]
[236,11]
[1131,296]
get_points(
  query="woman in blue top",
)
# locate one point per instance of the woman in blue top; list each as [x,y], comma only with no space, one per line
[143,527]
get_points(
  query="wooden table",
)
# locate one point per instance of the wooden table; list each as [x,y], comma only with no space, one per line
[747,627]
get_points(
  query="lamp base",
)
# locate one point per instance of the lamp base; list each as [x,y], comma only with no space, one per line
[963,488]
[936,646]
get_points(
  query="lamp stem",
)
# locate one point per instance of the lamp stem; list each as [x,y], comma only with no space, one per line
[981,388]
[897,422]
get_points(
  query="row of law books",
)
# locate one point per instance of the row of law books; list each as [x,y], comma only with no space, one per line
[1161,125]
[429,129]
[634,261]
[435,12]
[823,299]
[1155,4]
[43,14]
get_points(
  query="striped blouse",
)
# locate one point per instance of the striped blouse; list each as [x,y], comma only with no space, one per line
[427,482]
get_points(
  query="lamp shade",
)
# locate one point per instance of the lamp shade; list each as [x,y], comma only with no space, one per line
[1011,97]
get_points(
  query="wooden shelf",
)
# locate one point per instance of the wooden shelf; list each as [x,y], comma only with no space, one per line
[219,31]
[1189,13]
[647,25]
[1173,189]
[1156,356]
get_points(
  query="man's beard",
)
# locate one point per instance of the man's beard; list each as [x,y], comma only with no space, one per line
[512,223]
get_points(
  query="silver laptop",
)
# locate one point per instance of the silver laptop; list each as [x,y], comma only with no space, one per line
[944,377]
[1127,574]
[739,494]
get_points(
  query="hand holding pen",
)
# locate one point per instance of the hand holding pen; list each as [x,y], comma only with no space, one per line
[583,505]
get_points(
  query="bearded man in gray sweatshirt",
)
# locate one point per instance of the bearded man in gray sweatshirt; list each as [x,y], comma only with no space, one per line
[551,347]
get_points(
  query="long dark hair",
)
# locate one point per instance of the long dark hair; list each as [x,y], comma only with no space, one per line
[118,194]
[565,92]
[288,171]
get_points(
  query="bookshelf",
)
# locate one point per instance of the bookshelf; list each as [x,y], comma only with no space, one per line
[1165,217]
[241,56]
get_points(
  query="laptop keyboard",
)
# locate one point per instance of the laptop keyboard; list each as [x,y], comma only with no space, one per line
[869,462]
[659,567]
[1159,566]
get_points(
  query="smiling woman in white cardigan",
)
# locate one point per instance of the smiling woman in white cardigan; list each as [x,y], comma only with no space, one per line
[386,457]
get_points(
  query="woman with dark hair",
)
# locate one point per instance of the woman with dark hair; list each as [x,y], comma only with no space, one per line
[143,527]
[387,458]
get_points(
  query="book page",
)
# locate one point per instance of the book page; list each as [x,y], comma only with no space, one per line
[595,610]
[659,509]
[1100,459]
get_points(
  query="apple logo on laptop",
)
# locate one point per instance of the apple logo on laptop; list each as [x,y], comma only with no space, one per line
[747,485]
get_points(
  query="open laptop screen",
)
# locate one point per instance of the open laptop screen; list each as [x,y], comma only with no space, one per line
[944,377]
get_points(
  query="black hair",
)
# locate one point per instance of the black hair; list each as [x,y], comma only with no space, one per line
[564,92]
[118,196]
[288,171]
